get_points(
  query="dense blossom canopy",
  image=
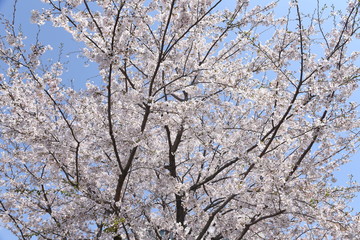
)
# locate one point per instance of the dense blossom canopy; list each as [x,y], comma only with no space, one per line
[207,124]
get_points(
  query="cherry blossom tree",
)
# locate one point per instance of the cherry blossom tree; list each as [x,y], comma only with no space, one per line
[207,124]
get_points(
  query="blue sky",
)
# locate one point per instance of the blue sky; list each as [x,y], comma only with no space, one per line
[57,36]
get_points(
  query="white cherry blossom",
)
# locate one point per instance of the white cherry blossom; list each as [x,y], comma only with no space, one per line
[203,123]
